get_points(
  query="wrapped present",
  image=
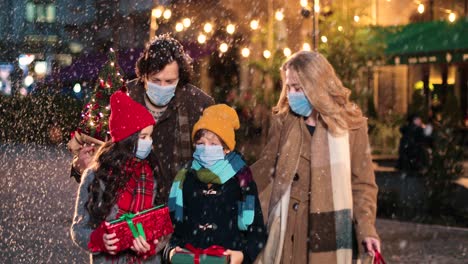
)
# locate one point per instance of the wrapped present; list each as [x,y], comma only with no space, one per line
[151,224]
[193,255]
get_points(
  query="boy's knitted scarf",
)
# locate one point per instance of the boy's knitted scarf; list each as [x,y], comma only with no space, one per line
[219,173]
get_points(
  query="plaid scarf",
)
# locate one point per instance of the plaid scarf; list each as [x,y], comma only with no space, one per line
[137,195]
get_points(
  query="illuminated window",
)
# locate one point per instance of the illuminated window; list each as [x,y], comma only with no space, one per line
[50,15]
[30,12]
[40,12]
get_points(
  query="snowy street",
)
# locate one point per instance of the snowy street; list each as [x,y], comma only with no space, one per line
[37,200]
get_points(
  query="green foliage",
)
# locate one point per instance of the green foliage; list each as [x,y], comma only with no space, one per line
[95,122]
[451,110]
[445,166]
[384,135]
[350,46]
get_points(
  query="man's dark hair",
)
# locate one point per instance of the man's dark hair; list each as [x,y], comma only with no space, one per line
[160,52]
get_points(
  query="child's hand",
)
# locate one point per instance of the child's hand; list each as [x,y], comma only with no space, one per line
[109,243]
[140,245]
[173,251]
[235,256]
[85,157]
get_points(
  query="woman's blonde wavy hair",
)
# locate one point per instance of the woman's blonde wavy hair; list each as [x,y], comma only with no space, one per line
[324,91]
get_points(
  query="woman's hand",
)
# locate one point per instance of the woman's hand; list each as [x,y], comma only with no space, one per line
[109,243]
[235,256]
[371,244]
[140,245]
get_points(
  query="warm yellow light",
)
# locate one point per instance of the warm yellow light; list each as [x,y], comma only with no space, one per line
[254,24]
[223,47]
[420,8]
[266,54]
[287,52]
[167,14]
[230,29]
[306,46]
[179,27]
[317,8]
[340,28]
[304,3]
[356,19]
[452,17]
[245,52]
[324,39]
[186,22]
[208,27]
[157,12]
[279,15]
[201,38]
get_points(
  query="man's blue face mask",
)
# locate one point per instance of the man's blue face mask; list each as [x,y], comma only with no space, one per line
[160,95]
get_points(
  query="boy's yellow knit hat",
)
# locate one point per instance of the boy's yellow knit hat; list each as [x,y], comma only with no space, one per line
[221,120]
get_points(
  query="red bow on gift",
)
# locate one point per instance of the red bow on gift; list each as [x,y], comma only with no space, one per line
[214,250]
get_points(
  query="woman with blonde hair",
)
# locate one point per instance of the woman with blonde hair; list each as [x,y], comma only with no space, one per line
[315,175]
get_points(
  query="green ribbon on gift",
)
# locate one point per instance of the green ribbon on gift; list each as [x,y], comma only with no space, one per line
[136,231]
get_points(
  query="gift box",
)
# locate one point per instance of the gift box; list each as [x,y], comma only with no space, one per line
[193,255]
[151,224]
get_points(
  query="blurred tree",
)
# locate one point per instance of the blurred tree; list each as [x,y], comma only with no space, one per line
[351,47]
[95,116]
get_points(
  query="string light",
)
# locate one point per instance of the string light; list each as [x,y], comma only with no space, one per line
[317,8]
[304,3]
[223,47]
[167,14]
[208,27]
[201,38]
[340,28]
[186,22]
[324,39]
[287,52]
[266,54]
[245,52]
[230,29]
[279,15]
[179,27]
[420,8]
[157,12]
[306,46]
[356,18]
[254,24]
[452,17]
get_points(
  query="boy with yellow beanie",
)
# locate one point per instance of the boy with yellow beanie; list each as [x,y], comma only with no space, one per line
[214,200]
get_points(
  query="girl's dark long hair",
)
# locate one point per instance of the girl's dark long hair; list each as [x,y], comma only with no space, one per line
[108,168]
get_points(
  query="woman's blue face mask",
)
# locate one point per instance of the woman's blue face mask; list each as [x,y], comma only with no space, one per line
[299,103]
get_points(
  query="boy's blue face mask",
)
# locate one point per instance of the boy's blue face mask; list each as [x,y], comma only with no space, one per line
[160,95]
[144,148]
[299,104]
[207,156]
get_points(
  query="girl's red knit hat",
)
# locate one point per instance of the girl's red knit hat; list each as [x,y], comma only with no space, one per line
[127,116]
